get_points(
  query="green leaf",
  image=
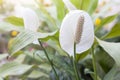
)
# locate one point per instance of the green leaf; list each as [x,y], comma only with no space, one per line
[13,68]
[114,32]
[8,27]
[108,19]
[92,6]
[24,38]
[60,9]
[84,4]
[113,74]
[76,3]
[113,49]
[15,20]
[83,55]
[105,21]
[81,4]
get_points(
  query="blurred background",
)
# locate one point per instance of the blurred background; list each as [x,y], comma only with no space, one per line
[44,8]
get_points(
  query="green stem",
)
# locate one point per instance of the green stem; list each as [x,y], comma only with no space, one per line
[74,64]
[51,63]
[94,64]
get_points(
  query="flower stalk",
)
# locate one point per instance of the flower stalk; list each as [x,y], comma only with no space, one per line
[51,63]
[94,63]
[75,64]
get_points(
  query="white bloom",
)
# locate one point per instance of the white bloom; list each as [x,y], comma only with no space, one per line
[68,30]
[30,18]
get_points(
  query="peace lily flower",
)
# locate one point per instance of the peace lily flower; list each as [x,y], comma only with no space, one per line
[30,18]
[77,27]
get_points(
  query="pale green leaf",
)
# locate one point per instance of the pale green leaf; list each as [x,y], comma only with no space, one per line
[81,4]
[20,58]
[37,74]
[44,70]
[8,27]
[60,9]
[76,3]
[114,32]
[113,49]
[84,4]
[108,19]
[82,55]
[13,68]
[24,38]
[105,21]
[92,6]
[15,20]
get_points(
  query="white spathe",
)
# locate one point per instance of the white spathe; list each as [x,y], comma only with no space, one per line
[67,32]
[30,18]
